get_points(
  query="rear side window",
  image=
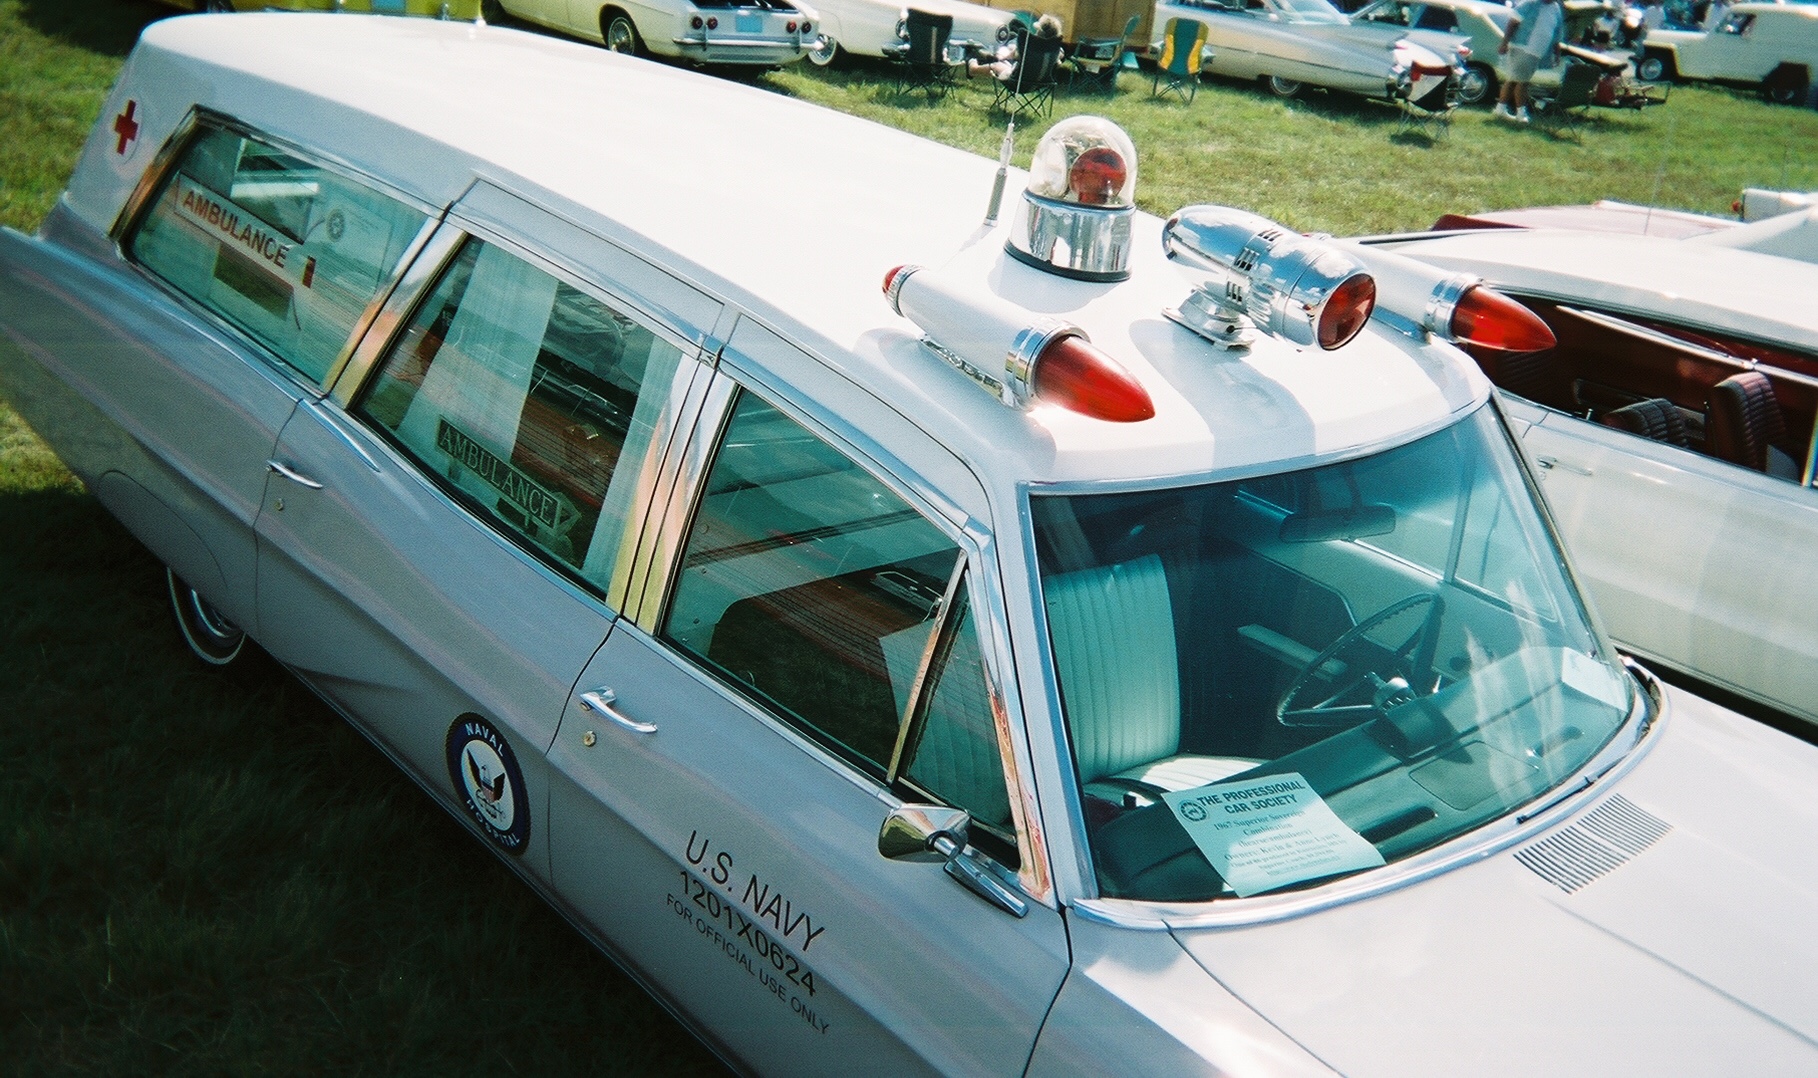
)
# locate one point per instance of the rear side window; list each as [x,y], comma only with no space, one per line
[289,251]
[522,394]
[819,593]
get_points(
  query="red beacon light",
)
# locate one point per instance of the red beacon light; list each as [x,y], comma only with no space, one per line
[1018,357]
[1081,198]
[1420,299]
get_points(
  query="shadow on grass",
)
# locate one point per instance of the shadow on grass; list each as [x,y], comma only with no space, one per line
[109,27]
[206,872]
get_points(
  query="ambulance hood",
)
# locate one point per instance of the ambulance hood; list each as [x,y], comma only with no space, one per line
[1681,945]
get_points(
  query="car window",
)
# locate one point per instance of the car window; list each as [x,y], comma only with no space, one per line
[1737,24]
[522,393]
[1393,13]
[286,249]
[1436,18]
[816,591]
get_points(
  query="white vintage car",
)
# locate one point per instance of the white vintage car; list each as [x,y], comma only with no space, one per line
[874,27]
[750,33]
[1289,44]
[1674,425]
[1773,46]
[1112,645]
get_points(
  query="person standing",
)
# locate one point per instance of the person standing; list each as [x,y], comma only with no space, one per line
[1536,30]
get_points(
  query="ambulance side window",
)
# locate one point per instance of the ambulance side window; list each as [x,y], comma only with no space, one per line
[285,249]
[817,592]
[521,394]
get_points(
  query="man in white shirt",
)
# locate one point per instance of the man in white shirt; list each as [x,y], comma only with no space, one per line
[1536,30]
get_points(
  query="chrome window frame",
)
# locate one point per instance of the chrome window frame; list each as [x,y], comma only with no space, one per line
[694,459]
[143,198]
[385,332]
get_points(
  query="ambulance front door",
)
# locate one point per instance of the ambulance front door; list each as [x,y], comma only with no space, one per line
[821,652]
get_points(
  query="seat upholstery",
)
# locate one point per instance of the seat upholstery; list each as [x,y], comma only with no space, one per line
[1114,648]
[1654,418]
[1743,423]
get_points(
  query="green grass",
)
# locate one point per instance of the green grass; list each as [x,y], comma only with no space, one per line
[213,874]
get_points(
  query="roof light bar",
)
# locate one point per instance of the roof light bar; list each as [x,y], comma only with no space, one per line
[1420,299]
[1255,274]
[1018,356]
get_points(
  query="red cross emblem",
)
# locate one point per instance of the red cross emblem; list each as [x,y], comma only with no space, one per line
[126,127]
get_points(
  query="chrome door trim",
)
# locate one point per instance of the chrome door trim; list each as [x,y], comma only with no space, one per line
[681,409]
[697,436]
[436,249]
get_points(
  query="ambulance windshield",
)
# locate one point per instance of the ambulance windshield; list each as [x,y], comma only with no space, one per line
[1277,681]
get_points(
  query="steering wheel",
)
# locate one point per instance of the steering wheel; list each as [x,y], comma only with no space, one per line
[1410,666]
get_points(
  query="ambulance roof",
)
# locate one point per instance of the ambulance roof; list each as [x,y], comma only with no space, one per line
[792,213]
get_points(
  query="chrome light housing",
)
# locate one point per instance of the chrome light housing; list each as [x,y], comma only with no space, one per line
[1076,213]
[1252,273]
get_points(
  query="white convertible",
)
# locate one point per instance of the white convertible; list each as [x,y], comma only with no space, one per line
[1674,425]
[1288,44]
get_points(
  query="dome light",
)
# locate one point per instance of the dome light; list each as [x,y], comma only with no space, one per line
[1081,197]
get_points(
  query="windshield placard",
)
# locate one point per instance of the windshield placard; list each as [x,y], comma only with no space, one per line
[1261,834]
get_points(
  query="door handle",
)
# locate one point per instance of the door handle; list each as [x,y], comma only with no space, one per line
[1549,463]
[601,700]
[292,474]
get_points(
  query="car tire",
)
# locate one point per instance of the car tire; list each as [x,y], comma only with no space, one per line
[1787,85]
[619,33]
[824,54]
[1655,66]
[216,7]
[210,636]
[1477,85]
[1281,87]
[491,11]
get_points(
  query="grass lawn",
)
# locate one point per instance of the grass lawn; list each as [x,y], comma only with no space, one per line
[214,874]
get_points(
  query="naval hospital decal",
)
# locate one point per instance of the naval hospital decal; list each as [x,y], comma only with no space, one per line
[486,775]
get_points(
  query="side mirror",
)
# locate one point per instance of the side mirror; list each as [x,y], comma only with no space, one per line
[938,833]
[923,833]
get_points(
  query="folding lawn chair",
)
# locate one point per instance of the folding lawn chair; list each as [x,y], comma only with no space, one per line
[922,62]
[1030,85]
[1183,45]
[1096,60]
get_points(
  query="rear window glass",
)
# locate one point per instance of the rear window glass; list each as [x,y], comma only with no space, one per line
[285,249]
[524,394]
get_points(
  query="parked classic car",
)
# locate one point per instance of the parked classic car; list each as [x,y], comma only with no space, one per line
[874,27]
[756,33]
[1792,232]
[1482,24]
[443,9]
[1288,44]
[1111,649]
[1771,46]
[1674,425]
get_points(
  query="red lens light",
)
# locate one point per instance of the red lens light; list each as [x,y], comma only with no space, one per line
[695,22]
[713,24]
[789,27]
[807,27]
[1346,311]
[1488,319]
[1097,176]
[1073,374]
